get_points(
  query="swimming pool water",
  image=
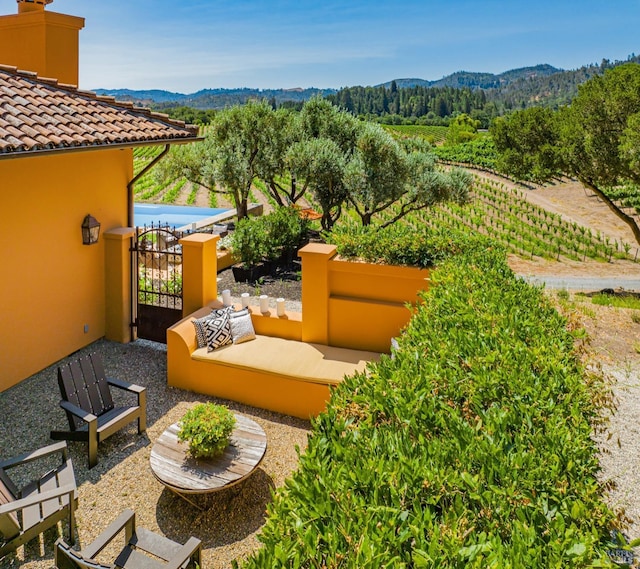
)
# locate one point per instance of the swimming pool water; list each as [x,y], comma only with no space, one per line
[172,215]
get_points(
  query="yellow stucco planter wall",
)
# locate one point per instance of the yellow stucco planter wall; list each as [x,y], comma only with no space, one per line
[355,305]
[225,259]
[359,306]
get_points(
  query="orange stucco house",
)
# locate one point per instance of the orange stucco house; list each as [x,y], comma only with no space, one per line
[64,153]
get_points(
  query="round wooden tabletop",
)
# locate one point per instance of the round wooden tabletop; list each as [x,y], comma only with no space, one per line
[175,468]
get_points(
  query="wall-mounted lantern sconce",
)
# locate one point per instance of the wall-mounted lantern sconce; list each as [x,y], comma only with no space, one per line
[90,230]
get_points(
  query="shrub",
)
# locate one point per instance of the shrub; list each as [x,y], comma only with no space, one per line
[268,236]
[401,244]
[249,241]
[207,428]
[286,230]
[469,448]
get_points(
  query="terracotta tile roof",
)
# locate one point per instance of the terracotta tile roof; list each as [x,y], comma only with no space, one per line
[39,114]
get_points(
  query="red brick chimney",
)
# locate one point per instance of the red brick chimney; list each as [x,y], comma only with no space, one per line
[37,40]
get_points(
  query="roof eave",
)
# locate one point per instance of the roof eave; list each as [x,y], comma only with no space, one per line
[88,148]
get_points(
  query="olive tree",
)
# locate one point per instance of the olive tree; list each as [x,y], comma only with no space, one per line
[238,149]
[321,163]
[376,173]
[320,119]
[191,162]
[274,169]
[383,173]
[594,139]
[240,139]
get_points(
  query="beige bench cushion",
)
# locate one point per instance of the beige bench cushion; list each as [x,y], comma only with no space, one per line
[298,360]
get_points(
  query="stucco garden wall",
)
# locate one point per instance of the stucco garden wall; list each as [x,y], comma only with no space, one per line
[355,305]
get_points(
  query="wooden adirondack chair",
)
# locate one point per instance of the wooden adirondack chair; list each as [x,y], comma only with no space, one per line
[28,511]
[167,554]
[86,398]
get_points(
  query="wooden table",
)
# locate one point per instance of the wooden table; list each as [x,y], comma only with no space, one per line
[172,465]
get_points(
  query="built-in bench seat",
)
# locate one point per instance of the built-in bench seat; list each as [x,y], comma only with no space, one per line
[280,374]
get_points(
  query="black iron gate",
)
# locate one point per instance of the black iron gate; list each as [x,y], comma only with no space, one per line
[157,258]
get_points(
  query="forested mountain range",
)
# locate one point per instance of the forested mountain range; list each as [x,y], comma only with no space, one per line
[220,98]
[483,96]
[476,80]
[212,98]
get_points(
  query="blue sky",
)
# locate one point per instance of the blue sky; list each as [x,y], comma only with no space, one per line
[186,45]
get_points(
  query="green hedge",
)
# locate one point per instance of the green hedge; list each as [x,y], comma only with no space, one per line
[469,448]
[403,244]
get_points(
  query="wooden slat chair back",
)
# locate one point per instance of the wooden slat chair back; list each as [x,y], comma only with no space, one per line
[84,383]
[67,558]
[27,511]
[9,524]
[85,387]
[87,401]
[142,550]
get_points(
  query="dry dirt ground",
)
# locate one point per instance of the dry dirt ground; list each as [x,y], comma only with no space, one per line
[575,203]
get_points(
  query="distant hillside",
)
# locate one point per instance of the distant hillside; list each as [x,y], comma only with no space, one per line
[221,98]
[482,95]
[551,90]
[475,80]
[213,98]
[153,95]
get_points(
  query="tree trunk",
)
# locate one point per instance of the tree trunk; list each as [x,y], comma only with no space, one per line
[242,209]
[615,209]
[366,218]
[275,194]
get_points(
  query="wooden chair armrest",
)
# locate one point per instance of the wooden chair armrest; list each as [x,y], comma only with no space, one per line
[80,413]
[36,454]
[185,552]
[125,385]
[16,505]
[125,520]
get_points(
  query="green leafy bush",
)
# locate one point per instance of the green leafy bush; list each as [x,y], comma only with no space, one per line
[286,231]
[268,236]
[469,448]
[249,241]
[402,244]
[207,428]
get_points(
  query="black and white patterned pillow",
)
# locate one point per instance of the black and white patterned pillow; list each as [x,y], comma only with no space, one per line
[218,331]
[198,324]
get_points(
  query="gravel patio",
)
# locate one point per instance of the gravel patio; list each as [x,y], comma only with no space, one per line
[123,479]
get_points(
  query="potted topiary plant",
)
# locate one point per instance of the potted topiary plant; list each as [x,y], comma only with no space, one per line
[207,428]
[249,243]
[287,232]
